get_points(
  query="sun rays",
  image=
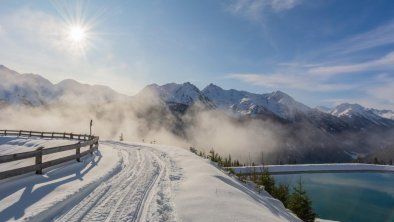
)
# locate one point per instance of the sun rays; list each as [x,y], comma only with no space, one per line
[77,35]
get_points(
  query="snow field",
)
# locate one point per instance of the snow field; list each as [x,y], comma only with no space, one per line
[39,196]
[137,182]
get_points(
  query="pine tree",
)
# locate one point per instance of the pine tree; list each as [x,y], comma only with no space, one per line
[300,204]
[281,192]
[121,137]
[267,180]
[212,155]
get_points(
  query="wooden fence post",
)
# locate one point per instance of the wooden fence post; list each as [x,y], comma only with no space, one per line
[30,134]
[78,152]
[91,148]
[39,160]
[20,132]
[5,132]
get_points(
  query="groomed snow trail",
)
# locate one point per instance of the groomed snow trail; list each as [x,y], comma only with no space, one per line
[131,194]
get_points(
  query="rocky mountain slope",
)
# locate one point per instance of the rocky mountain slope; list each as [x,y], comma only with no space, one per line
[302,134]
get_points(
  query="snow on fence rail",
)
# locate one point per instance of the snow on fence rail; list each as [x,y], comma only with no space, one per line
[83,141]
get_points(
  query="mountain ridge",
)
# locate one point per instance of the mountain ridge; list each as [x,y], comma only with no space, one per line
[35,90]
[306,134]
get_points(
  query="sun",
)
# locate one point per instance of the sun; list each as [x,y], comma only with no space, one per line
[77,34]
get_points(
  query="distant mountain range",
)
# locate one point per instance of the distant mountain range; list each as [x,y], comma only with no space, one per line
[34,90]
[331,128]
[276,104]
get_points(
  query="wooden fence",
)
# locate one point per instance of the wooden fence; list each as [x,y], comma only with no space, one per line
[83,141]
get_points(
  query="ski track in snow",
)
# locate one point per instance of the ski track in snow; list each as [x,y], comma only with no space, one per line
[139,192]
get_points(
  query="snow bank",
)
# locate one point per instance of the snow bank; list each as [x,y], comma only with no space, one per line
[204,193]
[316,168]
[32,196]
[145,182]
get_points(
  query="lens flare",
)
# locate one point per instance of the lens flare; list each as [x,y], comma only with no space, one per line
[77,34]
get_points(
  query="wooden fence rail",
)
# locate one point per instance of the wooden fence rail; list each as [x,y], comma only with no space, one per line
[83,141]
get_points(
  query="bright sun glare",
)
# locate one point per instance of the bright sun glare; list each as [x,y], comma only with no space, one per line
[77,34]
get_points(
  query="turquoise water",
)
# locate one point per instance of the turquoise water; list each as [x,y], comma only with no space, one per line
[348,197]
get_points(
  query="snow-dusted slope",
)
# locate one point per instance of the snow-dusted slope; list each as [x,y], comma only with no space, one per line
[243,102]
[186,93]
[34,90]
[388,114]
[349,110]
[26,89]
[360,115]
[137,182]
[73,91]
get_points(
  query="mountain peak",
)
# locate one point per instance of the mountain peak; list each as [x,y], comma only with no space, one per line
[185,93]
[348,109]
[211,88]
[280,95]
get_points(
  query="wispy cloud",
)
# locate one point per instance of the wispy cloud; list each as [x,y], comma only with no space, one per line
[254,9]
[380,36]
[382,63]
[300,82]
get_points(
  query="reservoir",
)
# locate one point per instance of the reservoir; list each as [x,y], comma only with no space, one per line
[348,197]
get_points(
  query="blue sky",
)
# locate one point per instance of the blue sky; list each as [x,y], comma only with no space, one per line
[321,52]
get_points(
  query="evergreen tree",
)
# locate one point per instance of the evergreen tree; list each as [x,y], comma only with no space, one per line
[267,180]
[281,192]
[212,155]
[300,204]
[121,137]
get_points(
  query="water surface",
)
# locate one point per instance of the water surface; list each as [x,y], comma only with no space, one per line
[348,197]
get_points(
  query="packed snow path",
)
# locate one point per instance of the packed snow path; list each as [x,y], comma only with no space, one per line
[135,182]
[128,195]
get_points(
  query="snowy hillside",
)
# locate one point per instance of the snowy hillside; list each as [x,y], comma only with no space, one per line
[186,93]
[243,102]
[388,114]
[34,90]
[136,182]
[27,89]
[360,115]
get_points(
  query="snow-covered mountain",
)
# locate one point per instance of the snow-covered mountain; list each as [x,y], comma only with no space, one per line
[26,89]
[278,103]
[34,90]
[240,102]
[388,114]
[360,116]
[186,93]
